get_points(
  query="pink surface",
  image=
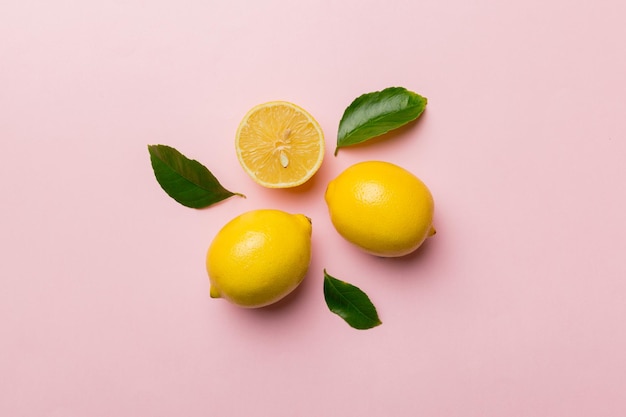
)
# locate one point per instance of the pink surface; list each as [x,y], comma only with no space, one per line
[515,308]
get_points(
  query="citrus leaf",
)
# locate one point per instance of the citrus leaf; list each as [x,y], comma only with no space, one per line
[374,114]
[186,180]
[350,303]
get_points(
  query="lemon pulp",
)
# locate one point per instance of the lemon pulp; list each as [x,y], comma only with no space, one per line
[279,144]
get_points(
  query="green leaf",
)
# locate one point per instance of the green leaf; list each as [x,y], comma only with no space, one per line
[350,303]
[374,114]
[186,180]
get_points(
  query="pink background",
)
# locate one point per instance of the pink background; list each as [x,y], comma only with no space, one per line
[515,308]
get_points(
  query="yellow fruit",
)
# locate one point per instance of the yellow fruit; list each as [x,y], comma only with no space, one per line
[381,207]
[259,257]
[279,144]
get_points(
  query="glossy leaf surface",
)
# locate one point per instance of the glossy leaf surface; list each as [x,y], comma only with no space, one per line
[186,180]
[350,303]
[374,114]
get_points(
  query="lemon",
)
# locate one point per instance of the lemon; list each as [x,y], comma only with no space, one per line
[259,257]
[279,144]
[381,208]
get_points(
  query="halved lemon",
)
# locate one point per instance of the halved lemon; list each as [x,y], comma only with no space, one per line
[279,144]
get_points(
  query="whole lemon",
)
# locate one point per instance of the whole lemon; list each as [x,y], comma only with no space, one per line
[381,208]
[259,257]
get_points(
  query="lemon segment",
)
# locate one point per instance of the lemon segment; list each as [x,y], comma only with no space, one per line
[259,257]
[381,208]
[279,144]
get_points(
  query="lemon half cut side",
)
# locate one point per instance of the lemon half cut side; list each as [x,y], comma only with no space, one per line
[279,144]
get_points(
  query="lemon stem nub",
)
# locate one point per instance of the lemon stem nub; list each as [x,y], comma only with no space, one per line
[214,293]
[432,231]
